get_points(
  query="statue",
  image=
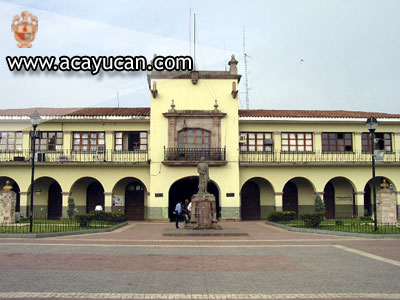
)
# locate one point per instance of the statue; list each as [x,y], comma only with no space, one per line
[202,169]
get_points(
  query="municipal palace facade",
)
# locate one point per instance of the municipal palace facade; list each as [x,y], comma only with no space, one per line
[141,161]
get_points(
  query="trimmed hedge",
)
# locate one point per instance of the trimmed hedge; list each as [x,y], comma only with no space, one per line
[312,219]
[366,218]
[277,216]
[85,219]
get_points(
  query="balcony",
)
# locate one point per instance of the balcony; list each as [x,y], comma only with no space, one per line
[192,156]
[321,158]
[71,157]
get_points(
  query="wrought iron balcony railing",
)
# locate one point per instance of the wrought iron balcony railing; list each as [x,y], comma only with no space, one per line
[69,156]
[252,157]
[194,154]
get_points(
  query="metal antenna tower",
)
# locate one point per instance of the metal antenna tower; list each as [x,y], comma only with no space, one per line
[246,76]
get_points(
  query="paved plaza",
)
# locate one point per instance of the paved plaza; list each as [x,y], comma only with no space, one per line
[138,262]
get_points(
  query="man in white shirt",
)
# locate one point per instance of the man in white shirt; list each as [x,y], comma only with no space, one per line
[98,208]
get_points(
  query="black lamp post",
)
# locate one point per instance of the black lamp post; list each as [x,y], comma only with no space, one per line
[35,120]
[372,124]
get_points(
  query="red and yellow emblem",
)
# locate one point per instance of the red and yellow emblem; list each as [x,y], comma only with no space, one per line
[25,29]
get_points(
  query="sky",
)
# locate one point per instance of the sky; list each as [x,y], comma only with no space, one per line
[303,54]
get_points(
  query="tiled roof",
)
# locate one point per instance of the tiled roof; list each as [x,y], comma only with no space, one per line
[266,113]
[79,112]
[145,112]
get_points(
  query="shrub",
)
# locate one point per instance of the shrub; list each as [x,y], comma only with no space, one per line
[339,223]
[319,205]
[84,219]
[366,218]
[277,216]
[71,207]
[312,219]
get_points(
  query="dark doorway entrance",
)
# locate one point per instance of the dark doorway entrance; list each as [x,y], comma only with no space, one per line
[54,209]
[367,201]
[290,197]
[185,189]
[134,201]
[329,199]
[250,206]
[17,191]
[94,196]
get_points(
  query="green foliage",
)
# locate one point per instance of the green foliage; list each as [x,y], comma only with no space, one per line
[366,219]
[277,216]
[319,205]
[312,219]
[71,207]
[339,222]
[86,219]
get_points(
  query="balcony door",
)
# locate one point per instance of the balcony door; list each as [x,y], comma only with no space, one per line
[194,138]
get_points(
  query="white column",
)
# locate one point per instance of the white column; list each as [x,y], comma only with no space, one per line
[359,202]
[108,201]
[278,201]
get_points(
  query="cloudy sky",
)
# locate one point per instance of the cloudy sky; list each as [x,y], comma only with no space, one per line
[316,54]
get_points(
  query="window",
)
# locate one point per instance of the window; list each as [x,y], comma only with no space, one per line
[130,141]
[88,141]
[256,141]
[383,141]
[337,142]
[297,142]
[194,138]
[49,141]
[11,141]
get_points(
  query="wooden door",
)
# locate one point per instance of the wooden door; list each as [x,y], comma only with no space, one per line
[54,208]
[329,199]
[250,206]
[134,201]
[290,197]
[94,196]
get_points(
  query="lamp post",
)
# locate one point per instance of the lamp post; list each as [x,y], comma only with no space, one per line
[35,120]
[372,124]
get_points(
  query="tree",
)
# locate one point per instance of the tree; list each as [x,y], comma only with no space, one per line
[319,205]
[71,207]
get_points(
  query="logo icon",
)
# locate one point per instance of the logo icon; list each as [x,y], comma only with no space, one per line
[25,29]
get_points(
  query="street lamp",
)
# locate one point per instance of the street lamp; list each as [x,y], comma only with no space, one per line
[35,120]
[372,124]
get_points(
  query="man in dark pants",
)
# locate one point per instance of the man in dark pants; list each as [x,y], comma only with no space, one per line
[178,213]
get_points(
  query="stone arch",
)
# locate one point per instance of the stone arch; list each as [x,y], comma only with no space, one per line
[257,199]
[368,192]
[298,195]
[131,192]
[87,192]
[339,198]
[185,188]
[47,198]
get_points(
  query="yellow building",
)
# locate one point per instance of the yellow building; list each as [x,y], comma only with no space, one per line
[141,161]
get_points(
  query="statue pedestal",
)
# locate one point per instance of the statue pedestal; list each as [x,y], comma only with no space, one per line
[8,200]
[387,206]
[204,212]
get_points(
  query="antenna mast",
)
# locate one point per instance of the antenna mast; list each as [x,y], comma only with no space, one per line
[246,77]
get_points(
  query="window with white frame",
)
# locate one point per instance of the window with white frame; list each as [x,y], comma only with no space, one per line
[10,141]
[88,141]
[131,141]
[256,141]
[297,142]
[49,141]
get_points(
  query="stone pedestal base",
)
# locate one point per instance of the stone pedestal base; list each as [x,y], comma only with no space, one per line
[204,212]
[386,210]
[8,200]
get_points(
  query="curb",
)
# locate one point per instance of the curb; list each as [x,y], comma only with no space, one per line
[55,234]
[340,233]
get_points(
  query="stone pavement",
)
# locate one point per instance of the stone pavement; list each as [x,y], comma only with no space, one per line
[138,262]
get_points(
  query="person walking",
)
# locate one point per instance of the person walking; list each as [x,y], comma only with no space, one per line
[185,211]
[178,213]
